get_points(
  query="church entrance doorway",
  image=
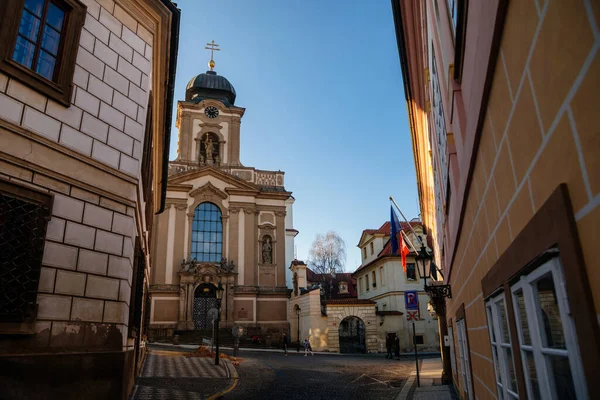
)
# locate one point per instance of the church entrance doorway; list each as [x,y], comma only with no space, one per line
[352,335]
[205,298]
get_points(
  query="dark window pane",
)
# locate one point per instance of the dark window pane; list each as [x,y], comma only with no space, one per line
[512,382]
[532,375]
[50,40]
[523,318]
[24,51]
[504,337]
[411,274]
[563,380]
[55,17]
[35,6]
[30,26]
[552,325]
[45,65]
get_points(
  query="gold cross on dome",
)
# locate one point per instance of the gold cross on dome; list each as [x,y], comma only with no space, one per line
[213,47]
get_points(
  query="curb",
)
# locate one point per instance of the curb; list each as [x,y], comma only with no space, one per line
[232,374]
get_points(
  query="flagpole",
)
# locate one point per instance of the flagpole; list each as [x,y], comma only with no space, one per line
[403,216]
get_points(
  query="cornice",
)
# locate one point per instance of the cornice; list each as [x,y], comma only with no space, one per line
[208,189]
[188,105]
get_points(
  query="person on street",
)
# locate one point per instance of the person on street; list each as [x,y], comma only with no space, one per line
[285,344]
[388,345]
[307,348]
[397,347]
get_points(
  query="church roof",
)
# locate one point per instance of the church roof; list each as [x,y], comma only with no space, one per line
[209,85]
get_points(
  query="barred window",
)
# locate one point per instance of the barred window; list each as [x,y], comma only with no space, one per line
[207,233]
[24,215]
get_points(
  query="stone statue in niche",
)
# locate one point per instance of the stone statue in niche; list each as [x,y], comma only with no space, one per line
[208,145]
[267,251]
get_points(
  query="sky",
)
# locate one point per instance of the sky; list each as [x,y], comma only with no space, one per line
[322,87]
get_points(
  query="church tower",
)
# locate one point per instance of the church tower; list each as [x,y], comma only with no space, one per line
[225,225]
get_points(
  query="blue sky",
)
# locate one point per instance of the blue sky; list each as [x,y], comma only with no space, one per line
[322,87]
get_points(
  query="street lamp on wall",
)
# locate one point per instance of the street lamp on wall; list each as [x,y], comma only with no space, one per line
[437,291]
[298,334]
[219,291]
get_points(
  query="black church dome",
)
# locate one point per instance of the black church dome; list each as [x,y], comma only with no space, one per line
[209,85]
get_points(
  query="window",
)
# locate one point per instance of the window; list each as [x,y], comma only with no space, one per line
[419,339]
[371,245]
[373,273]
[463,359]
[504,364]
[381,275]
[360,285]
[367,281]
[453,10]
[364,251]
[38,44]
[207,233]
[24,215]
[547,340]
[452,353]
[411,272]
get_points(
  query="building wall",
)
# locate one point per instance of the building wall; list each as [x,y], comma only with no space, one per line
[313,325]
[88,156]
[538,130]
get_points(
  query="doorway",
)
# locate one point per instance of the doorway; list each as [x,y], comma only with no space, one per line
[352,335]
[205,298]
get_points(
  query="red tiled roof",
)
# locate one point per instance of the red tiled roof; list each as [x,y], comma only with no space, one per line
[312,277]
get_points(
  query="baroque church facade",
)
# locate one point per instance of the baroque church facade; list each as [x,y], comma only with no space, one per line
[225,224]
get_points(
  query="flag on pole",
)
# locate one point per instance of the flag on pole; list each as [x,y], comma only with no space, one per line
[395,231]
[405,252]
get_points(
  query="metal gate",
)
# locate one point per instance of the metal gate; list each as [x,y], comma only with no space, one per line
[352,336]
[205,298]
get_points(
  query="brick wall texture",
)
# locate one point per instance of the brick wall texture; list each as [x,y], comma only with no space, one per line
[86,276]
[541,129]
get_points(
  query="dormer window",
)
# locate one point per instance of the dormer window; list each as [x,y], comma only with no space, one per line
[364,252]
[371,244]
[343,288]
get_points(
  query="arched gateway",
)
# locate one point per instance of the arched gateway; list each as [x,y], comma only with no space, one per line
[205,298]
[352,335]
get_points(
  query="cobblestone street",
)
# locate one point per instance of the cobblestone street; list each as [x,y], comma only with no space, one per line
[172,375]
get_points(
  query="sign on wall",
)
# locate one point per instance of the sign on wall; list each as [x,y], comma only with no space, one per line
[411,300]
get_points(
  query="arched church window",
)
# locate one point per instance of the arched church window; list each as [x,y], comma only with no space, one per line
[209,149]
[207,233]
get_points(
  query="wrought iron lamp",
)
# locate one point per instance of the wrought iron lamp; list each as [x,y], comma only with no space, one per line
[219,291]
[437,292]
[298,334]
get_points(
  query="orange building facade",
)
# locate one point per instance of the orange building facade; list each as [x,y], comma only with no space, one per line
[504,115]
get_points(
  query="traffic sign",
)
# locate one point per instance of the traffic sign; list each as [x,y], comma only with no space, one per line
[411,300]
[412,315]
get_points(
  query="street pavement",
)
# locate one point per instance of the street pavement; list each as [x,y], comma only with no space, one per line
[170,375]
[271,375]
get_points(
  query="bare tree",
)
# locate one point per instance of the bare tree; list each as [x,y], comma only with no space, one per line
[327,257]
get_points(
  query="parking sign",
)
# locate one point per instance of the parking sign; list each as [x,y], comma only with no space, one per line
[411,300]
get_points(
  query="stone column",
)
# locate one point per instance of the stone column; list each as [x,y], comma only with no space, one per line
[185,136]
[250,275]
[190,305]
[233,233]
[234,142]
[181,325]
[279,253]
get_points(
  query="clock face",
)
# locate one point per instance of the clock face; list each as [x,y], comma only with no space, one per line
[211,112]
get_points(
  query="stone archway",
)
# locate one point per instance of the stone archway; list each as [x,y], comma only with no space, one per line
[352,335]
[205,298]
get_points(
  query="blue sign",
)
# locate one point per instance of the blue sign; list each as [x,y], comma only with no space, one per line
[411,300]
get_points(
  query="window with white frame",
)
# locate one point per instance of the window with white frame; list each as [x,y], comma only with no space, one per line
[464,359]
[547,340]
[452,354]
[546,337]
[504,365]
[381,276]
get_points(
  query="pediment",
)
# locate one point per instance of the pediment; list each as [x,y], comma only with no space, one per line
[186,177]
[208,190]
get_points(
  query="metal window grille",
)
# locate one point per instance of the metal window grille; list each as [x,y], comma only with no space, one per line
[24,215]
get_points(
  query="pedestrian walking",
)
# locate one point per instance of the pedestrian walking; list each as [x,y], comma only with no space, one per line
[388,345]
[397,347]
[307,348]
[285,344]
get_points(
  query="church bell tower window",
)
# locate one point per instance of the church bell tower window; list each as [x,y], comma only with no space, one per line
[209,149]
[207,233]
